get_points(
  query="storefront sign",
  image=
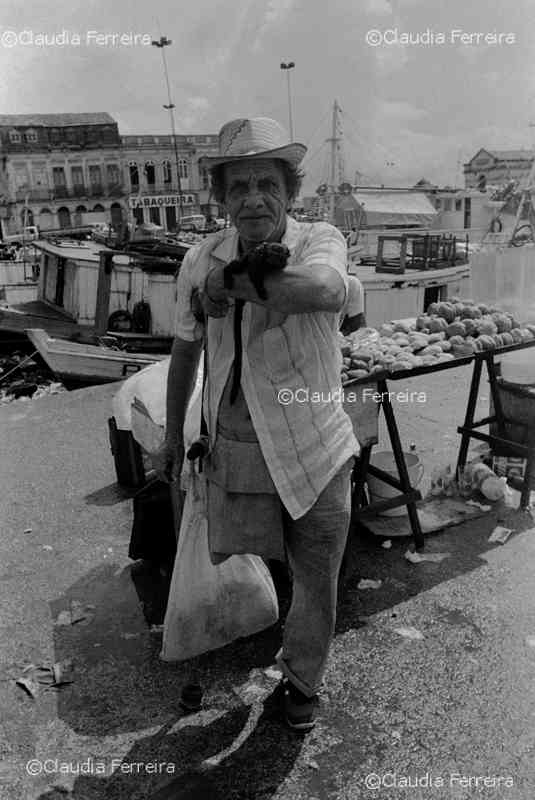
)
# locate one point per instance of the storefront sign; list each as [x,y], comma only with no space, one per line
[148,201]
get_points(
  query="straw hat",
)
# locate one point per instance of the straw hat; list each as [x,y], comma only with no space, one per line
[258,137]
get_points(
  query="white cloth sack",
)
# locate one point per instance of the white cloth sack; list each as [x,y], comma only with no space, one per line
[210,606]
[150,386]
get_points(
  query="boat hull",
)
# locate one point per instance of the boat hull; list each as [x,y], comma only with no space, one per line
[84,364]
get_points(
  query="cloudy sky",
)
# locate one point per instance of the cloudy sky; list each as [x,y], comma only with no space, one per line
[409,110]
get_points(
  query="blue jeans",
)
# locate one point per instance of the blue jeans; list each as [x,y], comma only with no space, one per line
[315,545]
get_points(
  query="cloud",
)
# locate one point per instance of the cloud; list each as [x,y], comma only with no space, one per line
[379,7]
[276,12]
[193,112]
[401,111]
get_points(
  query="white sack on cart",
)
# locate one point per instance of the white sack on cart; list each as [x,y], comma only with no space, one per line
[150,386]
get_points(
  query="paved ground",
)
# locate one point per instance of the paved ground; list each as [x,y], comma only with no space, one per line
[437,711]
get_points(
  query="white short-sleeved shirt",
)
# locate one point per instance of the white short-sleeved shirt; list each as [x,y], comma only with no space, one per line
[355,298]
[290,366]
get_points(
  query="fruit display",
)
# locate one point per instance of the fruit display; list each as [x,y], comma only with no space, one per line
[447,330]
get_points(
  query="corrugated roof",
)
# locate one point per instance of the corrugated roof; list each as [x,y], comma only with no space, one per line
[395,208]
[395,202]
[511,154]
[57,120]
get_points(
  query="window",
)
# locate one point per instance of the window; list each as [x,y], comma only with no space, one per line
[134,175]
[183,168]
[15,137]
[39,176]
[95,178]
[150,173]
[31,136]
[167,174]
[458,205]
[58,176]
[77,175]
[154,215]
[112,175]
[21,177]
[438,203]
[447,204]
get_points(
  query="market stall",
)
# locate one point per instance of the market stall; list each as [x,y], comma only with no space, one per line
[450,335]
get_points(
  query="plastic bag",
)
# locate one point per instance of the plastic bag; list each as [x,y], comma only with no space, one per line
[210,606]
[149,385]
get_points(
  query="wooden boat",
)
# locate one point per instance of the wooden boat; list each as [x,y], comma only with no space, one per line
[76,363]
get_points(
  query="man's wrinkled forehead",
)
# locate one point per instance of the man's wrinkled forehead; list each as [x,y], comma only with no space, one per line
[252,169]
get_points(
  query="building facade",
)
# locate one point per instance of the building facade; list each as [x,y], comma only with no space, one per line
[163,183]
[56,170]
[497,168]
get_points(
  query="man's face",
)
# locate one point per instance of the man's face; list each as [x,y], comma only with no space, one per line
[256,199]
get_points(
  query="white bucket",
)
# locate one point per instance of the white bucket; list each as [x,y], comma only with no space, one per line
[379,490]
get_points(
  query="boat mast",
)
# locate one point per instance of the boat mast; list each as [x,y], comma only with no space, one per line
[334,140]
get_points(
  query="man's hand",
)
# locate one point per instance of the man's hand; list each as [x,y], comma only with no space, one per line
[214,298]
[168,460]
[262,260]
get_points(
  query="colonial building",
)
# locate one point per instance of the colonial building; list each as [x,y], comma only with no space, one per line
[155,192]
[57,168]
[497,167]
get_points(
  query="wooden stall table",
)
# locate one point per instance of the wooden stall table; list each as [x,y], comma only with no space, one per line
[409,496]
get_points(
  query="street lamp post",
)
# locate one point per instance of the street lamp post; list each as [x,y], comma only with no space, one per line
[287,66]
[162,43]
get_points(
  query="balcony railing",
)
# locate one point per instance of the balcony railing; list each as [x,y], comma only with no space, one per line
[64,193]
[162,188]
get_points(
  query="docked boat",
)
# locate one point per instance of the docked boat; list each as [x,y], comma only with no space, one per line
[77,363]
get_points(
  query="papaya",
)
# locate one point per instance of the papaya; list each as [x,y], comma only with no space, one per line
[362,355]
[517,336]
[445,344]
[486,341]
[470,326]
[507,338]
[402,327]
[501,321]
[437,324]
[527,335]
[432,308]
[483,307]
[455,329]
[386,329]
[421,322]
[472,312]
[431,350]
[487,326]
[446,311]
[456,341]
[358,364]
[354,374]
[433,338]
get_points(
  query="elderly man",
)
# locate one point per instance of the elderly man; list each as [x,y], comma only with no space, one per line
[281,448]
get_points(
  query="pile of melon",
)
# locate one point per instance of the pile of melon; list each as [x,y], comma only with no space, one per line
[446,331]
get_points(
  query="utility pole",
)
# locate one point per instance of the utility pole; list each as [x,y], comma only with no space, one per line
[287,66]
[162,43]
